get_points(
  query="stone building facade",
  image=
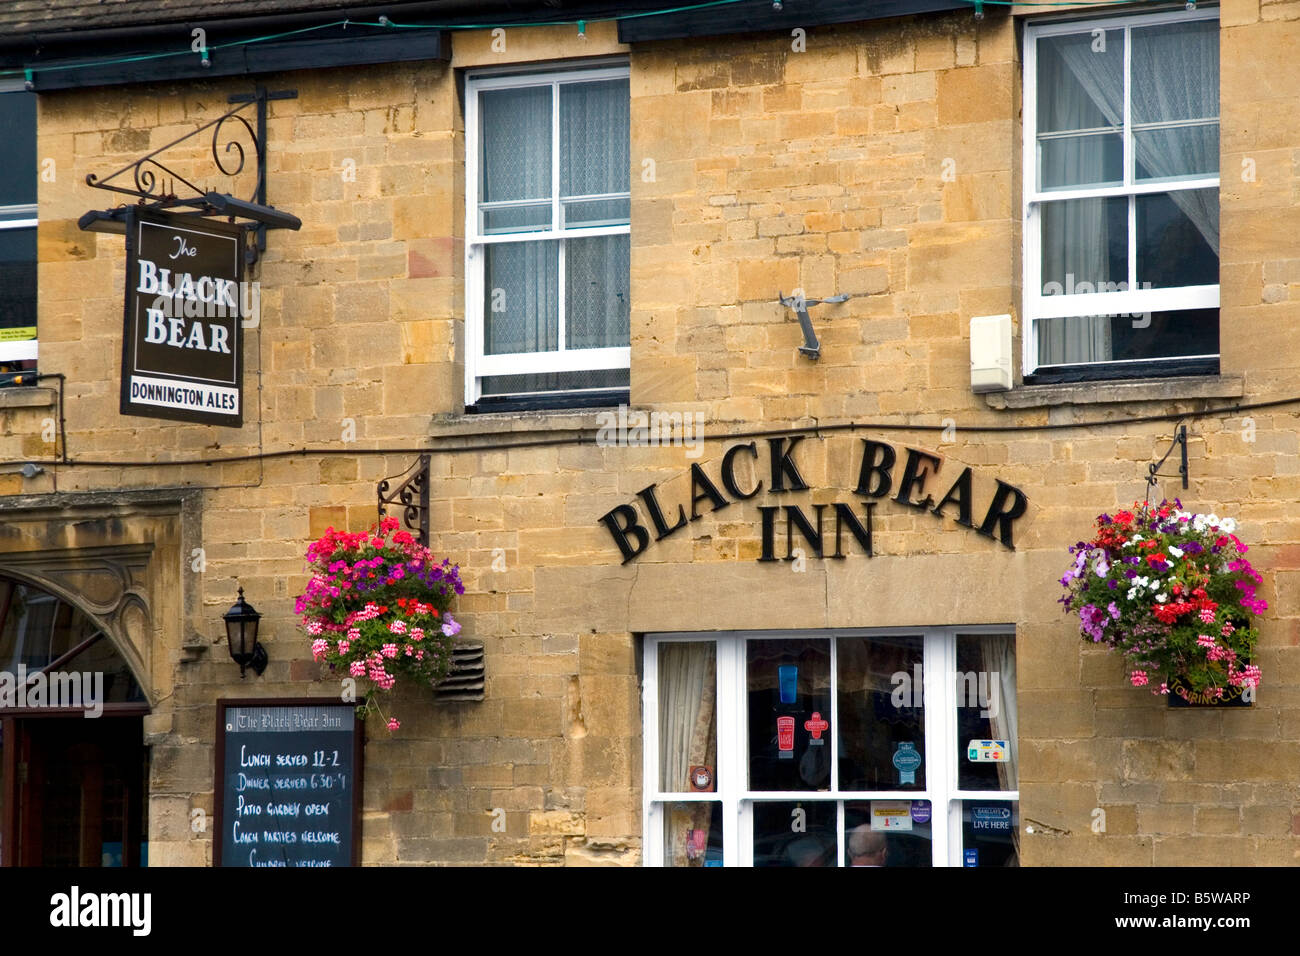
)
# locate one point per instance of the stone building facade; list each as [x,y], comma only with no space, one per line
[883,159]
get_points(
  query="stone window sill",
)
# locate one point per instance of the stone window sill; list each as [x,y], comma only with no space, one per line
[27,397]
[542,423]
[1137,390]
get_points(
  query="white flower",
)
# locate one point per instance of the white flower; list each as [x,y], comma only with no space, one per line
[1161,598]
[1175,551]
[1212,520]
[1227,525]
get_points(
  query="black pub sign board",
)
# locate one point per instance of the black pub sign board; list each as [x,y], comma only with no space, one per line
[182,341]
[288,785]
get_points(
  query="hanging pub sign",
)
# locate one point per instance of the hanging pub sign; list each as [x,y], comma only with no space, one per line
[182,341]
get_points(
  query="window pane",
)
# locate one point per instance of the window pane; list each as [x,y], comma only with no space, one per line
[789,696]
[1095,159]
[1176,152]
[596,308]
[1178,238]
[1081,81]
[688,717]
[1154,335]
[521,297]
[17,149]
[881,737]
[692,833]
[987,746]
[521,218]
[595,212]
[595,141]
[990,832]
[556,381]
[516,144]
[876,834]
[1175,71]
[795,834]
[17,284]
[1084,241]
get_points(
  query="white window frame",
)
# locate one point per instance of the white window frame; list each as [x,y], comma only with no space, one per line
[731,775]
[22,216]
[477,364]
[1133,301]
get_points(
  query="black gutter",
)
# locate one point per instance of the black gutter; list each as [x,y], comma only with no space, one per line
[400,12]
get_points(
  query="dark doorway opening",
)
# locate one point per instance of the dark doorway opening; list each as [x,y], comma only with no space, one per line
[74,771]
[75,792]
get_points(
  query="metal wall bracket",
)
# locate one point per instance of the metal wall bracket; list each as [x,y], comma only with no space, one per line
[412,493]
[158,186]
[811,347]
[1153,470]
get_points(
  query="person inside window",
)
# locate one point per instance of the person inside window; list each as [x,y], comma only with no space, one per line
[867,847]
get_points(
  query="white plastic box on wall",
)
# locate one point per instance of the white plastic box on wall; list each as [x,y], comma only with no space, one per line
[990,353]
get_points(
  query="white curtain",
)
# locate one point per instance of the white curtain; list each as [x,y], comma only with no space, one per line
[687,711]
[687,736]
[1000,659]
[1175,76]
[1075,82]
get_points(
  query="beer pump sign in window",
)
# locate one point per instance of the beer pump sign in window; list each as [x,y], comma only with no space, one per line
[182,349]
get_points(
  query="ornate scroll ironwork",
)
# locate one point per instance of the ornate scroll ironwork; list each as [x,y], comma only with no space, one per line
[1153,470]
[412,494]
[153,181]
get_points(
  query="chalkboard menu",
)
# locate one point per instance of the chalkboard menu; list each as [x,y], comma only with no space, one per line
[288,787]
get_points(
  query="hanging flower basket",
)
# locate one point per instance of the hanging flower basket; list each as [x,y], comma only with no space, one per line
[378,607]
[1172,592]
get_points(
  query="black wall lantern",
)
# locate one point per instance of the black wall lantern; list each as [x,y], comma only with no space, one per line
[241,632]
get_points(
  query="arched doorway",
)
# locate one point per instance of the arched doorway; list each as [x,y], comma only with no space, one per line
[73,767]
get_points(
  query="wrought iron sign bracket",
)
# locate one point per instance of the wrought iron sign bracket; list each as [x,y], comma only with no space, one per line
[412,493]
[159,187]
[1153,470]
[260,97]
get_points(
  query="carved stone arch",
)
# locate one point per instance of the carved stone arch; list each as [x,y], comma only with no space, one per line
[112,624]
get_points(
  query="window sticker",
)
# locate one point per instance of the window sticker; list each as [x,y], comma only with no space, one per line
[891,815]
[920,811]
[785,737]
[971,857]
[987,751]
[906,761]
[816,726]
[990,818]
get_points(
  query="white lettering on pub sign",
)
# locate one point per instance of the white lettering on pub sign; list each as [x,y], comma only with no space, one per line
[182,347]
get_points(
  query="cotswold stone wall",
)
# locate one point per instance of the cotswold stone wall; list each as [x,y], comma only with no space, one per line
[883,162]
